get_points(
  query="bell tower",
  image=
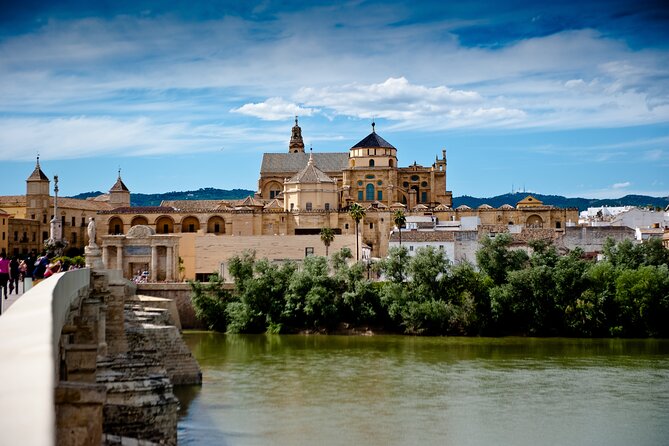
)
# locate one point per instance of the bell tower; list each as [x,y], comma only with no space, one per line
[296,143]
[37,191]
[119,194]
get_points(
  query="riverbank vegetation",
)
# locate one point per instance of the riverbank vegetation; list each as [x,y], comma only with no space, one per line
[512,293]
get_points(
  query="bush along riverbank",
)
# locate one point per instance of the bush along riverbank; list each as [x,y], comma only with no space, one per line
[512,293]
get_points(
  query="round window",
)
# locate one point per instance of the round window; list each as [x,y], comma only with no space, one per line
[405,184]
[359,183]
[379,182]
[423,184]
[415,177]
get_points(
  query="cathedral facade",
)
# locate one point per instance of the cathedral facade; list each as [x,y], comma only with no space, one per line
[298,194]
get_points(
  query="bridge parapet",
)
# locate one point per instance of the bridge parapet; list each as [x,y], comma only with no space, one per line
[30,333]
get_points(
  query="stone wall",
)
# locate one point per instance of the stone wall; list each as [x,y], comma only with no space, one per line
[178,293]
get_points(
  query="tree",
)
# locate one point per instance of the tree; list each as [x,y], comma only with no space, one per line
[497,260]
[327,236]
[357,213]
[399,219]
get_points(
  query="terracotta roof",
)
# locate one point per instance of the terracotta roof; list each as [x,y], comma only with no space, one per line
[373,140]
[311,174]
[274,204]
[423,236]
[250,201]
[290,163]
[119,186]
[141,210]
[191,205]
[37,173]
[13,200]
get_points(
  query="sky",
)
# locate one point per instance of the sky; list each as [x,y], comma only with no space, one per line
[568,98]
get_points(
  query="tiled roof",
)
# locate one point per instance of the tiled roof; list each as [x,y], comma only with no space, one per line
[292,163]
[250,201]
[38,174]
[311,174]
[373,140]
[13,200]
[141,210]
[191,205]
[119,186]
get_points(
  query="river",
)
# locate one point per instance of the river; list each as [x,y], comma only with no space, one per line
[402,390]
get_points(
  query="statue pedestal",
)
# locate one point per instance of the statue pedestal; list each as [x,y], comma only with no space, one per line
[93,257]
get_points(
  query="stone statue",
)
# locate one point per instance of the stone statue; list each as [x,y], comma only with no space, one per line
[91,232]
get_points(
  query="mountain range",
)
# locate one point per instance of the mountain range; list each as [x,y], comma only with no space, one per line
[211,193]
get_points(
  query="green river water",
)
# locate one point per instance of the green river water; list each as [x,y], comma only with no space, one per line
[401,390]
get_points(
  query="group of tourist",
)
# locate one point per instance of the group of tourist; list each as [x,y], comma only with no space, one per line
[14,271]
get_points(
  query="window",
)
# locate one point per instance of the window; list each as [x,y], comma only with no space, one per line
[371,226]
[74,238]
[327,206]
[369,176]
[346,226]
[441,247]
[423,197]
[273,193]
[423,184]
[379,183]
[34,237]
[359,195]
[379,195]
[308,251]
[405,184]
[369,192]
[117,229]
[390,163]
[415,178]
[44,218]
[360,183]
[45,236]
[83,221]
[558,225]
[371,163]
[32,216]
[191,227]
[166,228]
[217,228]
[3,235]
[292,206]
[410,247]
[309,206]
[16,236]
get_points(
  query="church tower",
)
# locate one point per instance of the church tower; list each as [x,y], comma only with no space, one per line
[119,194]
[296,143]
[37,191]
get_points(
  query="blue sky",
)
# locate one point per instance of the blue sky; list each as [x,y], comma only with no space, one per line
[568,98]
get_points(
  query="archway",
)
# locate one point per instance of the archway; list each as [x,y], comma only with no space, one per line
[534,221]
[164,225]
[139,220]
[216,225]
[190,224]
[115,226]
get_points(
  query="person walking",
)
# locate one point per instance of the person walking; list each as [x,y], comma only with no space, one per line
[14,275]
[40,268]
[4,274]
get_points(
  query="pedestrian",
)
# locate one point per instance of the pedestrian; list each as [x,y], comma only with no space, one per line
[14,275]
[41,265]
[4,274]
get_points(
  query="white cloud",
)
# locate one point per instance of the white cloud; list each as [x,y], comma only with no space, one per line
[621,185]
[273,109]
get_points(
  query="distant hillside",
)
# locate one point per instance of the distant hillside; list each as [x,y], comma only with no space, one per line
[208,193]
[211,193]
[563,202]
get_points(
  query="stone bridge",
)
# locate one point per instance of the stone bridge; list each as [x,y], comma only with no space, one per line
[86,361]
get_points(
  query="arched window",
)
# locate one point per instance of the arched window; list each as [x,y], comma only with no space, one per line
[309,205]
[369,192]
[371,163]
[390,162]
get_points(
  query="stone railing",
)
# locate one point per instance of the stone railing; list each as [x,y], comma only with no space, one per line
[30,333]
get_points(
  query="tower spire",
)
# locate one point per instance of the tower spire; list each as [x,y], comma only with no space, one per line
[296,144]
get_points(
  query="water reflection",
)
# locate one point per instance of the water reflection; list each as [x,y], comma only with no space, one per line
[270,389]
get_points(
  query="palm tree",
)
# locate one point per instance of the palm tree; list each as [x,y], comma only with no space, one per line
[357,213]
[327,235]
[400,219]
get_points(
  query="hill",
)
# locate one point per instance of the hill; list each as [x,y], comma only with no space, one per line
[211,193]
[208,193]
[564,202]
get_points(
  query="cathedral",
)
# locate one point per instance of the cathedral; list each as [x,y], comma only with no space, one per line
[298,194]
[368,173]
